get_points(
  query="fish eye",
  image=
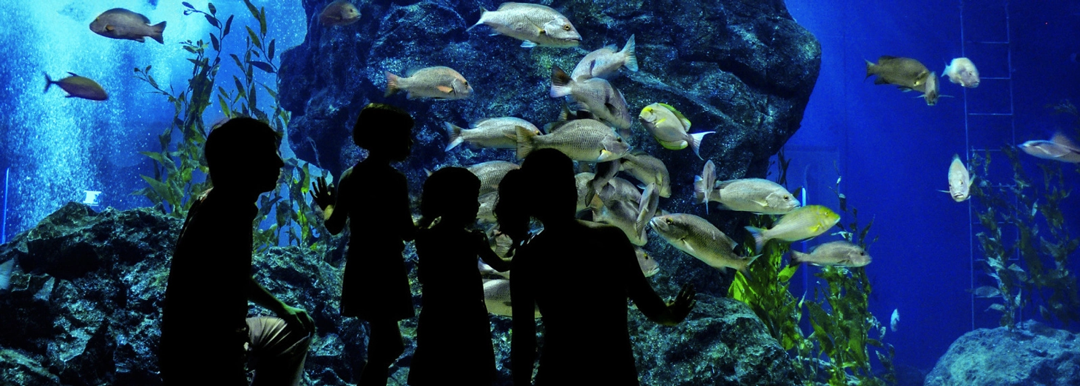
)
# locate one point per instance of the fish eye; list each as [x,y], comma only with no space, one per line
[566,27]
[787,197]
[668,220]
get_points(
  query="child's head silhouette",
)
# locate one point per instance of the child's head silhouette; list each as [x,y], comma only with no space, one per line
[450,193]
[242,154]
[551,175]
[384,130]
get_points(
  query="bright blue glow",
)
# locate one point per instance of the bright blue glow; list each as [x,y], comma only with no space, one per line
[3,222]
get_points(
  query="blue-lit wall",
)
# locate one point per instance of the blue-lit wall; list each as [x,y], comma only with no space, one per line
[894,151]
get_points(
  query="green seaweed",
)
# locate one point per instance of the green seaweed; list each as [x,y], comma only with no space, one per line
[1043,279]
[180,170]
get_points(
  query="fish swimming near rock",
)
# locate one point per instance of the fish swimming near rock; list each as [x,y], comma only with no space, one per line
[119,23]
[581,140]
[536,24]
[959,180]
[699,238]
[622,215]
[799,224]
[492,133]
[671,128]
[963,72]
[78,87]
[619,189]
[647,264]
[606,61]
[597,95]
[839,253]
[648,170]
[703,184]
[1058,148]
[339,13]
[431,82]
[491,173]
[905,73]
[756,195]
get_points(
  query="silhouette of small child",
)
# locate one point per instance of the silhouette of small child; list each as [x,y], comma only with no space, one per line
[375,197]
[453,334]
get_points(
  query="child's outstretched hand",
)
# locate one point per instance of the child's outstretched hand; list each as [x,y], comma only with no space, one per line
[322,194]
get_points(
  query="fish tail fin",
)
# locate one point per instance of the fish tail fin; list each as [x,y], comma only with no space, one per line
[869,68]
[455,135]
[797,257]
[628,52]
[156,31]
[560,82]
[392,84]
[695,141]
[525,143]
[48,82]
[483,11]
[745,268]
[759,237]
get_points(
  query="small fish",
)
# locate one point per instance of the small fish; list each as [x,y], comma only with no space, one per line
[339,13]
[431,82]
[8,266]
[536,24]
[596,94]
[497,298]
[491,173]
[606,62]
[486,212]
[648,170]
[962,71]
[905,73]
[959,180]
[836,253]
[1058,148]
[119,23]
[670,127]
[619,189]
[929,89]
[703,184]
[584,190]
[754,195]
[78,87]
[800,224]
[699,238]
[581,140]
[492,133]
[622,215]
[648,264]
[895,319]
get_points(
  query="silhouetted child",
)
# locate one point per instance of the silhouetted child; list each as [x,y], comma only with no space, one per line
[206,336]
[584,317]
[453,335]
[375,197]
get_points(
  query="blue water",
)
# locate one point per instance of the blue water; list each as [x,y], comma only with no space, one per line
[891,149]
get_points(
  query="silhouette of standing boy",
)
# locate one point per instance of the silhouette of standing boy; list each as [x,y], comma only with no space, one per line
[206,336]
[588,317]
[375,198]
[453,336]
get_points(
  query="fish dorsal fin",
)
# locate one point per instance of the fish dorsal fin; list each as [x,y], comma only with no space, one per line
[72,73]
[1062,140]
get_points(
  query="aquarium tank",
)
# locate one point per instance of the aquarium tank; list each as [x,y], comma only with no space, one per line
[861,193]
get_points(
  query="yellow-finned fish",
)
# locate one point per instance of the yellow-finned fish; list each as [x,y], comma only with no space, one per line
[78,87]
[339,13]
[431,82]
[536,24]
[670,127]
[959,180]
[800,224]
[119,23]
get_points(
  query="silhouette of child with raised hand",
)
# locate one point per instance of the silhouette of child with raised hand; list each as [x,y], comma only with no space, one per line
[453,334]
[375,198]
[206,336]
[586,341]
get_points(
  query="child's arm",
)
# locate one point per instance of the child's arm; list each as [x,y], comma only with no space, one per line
[489,256]
[335,209]
[404,213]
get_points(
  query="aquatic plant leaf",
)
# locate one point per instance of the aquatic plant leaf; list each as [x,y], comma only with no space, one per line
[263,66]
[251,7]
[786,274]
[186,4]
[254,38]
[987,292]
[224,107]
[996,307]
[241,93]
[270,50]
[262,20]
[215,42]
[228,26]
[213,10]
[212,20]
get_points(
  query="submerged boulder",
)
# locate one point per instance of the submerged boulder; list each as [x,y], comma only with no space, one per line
[99,324]
[1032,354]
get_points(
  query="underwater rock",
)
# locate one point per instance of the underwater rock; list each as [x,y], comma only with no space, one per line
[1032,354]
[744,68]
[99,324]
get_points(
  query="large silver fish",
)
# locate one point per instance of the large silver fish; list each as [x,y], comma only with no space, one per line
[596,94]
[494,133]
[119,23]
[1058,148]
[606,61]
[491,173]
[536,24]
[648,170]
[431,82]
[835,253]
[754,195]
[580,139]
[699,238]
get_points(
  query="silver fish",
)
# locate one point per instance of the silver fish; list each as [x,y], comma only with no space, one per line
[1058,148]
[647,264]
[491,173]
[699,238]
[119,23]
[431,82]
[493,133]
[963,72]
[705,183]
[755,195]
[606,61]
[581,140]
[836,253]
[536,24]
[959,180]
[648,170]
[596,94]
